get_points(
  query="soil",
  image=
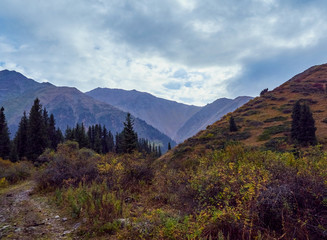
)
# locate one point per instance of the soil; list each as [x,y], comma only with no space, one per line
[26,215]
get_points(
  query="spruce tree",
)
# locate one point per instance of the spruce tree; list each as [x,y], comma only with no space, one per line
[232,125]
[169,146]
[37,138]
[52,133]
[129,135]
[21,138]
[308,130]
[303,129]
[4,136]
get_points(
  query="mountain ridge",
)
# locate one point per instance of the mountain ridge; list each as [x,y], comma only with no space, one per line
[167,116]
[71,106]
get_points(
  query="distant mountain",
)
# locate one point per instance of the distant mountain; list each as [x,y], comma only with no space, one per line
[69,106]
[179,121]
[167,116]
[13,84]
[208,115]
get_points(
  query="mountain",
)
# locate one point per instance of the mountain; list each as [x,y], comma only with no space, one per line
[177,120]
[14,83]
[69,106]
[265,121]
[208,115]
[167,116]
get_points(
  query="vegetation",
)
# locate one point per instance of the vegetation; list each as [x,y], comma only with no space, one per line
[303,125]
[232,193]
[232,125]
[4,136]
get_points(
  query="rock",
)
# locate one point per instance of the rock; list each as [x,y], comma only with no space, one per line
[57,217]
[5,227]
[64,219]
[77,225]
[66,232]
[18,230]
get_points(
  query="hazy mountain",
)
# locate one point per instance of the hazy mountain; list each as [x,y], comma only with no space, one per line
[167,116]
[179,121]
[13,84]
[208,115]
[69,106]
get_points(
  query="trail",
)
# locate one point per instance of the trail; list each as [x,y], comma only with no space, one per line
[24,215]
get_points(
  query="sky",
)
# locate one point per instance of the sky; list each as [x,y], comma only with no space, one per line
[189,51]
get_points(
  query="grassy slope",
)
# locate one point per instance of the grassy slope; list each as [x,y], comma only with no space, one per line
[266,118]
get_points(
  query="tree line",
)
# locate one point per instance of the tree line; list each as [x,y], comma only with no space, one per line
[37,132]
[101,140]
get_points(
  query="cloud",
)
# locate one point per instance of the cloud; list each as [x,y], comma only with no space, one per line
[200,50]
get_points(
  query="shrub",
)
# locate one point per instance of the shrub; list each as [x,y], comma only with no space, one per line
[273,130]
[69,165]
[275,119]
[13,172]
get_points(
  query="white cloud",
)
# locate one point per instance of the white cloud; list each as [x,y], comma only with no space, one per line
[140,45]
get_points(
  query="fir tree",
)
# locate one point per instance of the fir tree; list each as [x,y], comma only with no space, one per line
[232,124]
[4,136]
[21,138]
[308,130]
[52,133]
[37,139]
[169,146]
[303,129]
[13,153]
[129,141]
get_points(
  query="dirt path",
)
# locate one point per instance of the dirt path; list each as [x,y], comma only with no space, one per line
[24,215]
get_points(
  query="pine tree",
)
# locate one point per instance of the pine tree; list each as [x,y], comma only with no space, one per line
[232,125]
[308,130]
[46,121]
[4,136]
[169,146]
[52,133]
[37,138]
[13,152]
[129,136]
[303,129]
[21,140]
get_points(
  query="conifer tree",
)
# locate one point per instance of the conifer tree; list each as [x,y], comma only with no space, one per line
[21,138]
[232,125]
[13,152]
[4,136]
[52,133]
[308,130]
[303,125]
[36,131]
[296,126]
[169,146]
[129,136]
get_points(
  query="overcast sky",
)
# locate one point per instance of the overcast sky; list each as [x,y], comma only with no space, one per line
[191,51]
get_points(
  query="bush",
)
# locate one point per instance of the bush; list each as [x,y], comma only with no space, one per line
[273,130]
[69,165]
[13,172]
